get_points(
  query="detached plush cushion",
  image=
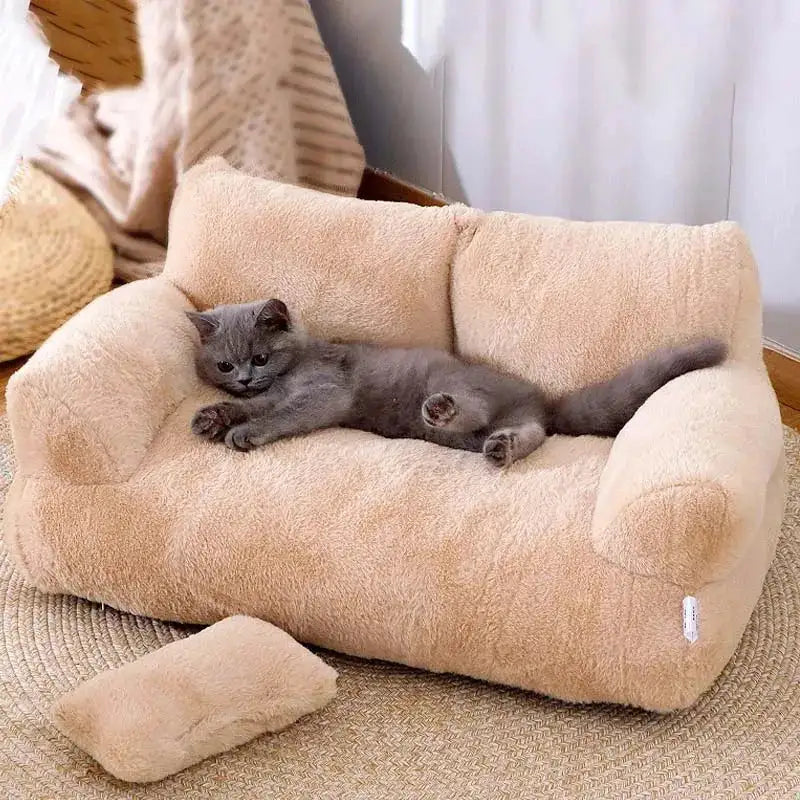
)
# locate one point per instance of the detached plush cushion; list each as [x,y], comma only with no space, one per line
[194,698]
[565,574]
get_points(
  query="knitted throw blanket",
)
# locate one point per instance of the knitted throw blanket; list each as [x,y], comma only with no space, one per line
[249,80]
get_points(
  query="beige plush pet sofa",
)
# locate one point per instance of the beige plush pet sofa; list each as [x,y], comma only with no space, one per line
[565,574]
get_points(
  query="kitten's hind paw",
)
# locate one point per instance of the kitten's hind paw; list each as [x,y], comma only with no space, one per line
[499,448]
[439,410]
[241,438]
[213,422]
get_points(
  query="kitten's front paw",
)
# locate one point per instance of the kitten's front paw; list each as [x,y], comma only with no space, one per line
[241,438]
[213,422]
[439,410]
[499,448]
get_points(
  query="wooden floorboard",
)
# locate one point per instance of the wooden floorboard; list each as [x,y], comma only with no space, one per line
[784,372]
[790,417]
[7,369]
[377,184]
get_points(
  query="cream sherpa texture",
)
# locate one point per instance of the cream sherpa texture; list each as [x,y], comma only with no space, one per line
[194,698]
[564,574]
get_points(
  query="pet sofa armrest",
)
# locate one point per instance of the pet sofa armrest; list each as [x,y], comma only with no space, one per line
[684,487]
[89,402]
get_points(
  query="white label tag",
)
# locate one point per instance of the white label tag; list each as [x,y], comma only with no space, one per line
[690,618]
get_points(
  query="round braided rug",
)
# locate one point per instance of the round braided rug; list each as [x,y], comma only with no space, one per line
[54,259]
[393,732]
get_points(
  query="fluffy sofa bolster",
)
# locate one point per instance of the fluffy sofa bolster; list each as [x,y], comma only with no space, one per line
[194,698]
[686,480]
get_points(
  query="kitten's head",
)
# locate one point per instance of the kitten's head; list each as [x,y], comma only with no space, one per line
[243,348]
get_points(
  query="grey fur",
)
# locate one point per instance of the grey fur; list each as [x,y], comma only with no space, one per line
[307,384]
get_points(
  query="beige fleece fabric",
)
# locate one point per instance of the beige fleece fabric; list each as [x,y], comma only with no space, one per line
[194,698]
[564,574]
[247,79]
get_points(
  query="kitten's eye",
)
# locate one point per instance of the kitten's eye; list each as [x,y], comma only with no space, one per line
[260,359]
[224,366]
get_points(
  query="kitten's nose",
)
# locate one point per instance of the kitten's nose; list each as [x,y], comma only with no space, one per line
[245,381]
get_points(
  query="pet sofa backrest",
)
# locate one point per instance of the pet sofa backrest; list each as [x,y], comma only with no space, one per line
[567,303]
[560,302]
[354,269]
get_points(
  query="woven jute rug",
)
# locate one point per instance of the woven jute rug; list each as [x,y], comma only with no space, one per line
[394,732]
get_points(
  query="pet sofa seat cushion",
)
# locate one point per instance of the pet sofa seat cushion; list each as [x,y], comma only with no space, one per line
[565,574]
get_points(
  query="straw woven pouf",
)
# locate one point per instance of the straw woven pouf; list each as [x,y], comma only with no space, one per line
[54,259]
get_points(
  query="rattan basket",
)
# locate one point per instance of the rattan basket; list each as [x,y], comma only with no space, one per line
[54,259]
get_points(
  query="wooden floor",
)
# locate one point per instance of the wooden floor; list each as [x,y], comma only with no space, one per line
[790,417]
[784,372]
[7,369]
[785,375]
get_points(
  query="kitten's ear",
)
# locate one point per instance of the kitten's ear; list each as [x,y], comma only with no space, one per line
[205,322]
[273,316]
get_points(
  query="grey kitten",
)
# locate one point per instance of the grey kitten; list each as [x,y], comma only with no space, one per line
[289,383]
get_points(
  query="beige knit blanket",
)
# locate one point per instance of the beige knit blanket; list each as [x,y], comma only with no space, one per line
[246,79]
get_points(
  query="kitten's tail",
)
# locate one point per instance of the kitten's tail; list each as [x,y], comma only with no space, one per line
[603,408]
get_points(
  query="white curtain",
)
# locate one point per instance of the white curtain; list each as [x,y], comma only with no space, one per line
[616,109]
